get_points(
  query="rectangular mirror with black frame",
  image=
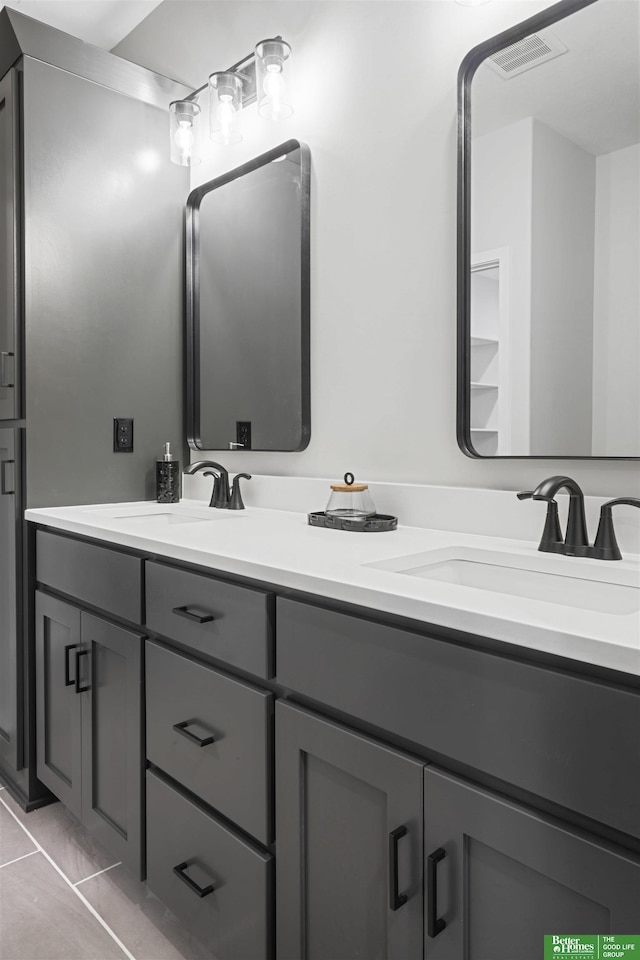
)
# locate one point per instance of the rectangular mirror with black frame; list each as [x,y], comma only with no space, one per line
[247,305]
[549,236]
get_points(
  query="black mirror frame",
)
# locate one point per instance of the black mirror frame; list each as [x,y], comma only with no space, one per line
[192,292]
[468,67]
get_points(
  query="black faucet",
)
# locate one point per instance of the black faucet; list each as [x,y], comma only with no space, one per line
[220,496]
[576,540]
[576,534]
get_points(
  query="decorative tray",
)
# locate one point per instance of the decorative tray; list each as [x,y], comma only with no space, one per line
[378,523]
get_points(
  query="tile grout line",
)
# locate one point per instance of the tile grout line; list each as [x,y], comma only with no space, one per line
[18,859]
[98,874]
[78,894]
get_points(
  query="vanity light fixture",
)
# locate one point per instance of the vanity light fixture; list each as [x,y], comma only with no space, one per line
[264,75]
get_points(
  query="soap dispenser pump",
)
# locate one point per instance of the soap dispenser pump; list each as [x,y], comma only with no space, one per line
[167,477]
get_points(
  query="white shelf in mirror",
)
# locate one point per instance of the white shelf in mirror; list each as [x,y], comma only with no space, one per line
[488,350]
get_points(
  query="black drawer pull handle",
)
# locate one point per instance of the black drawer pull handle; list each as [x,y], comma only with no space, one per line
[68,682]
[435,925]
[79,688]
[195,617]
[396,899]
[181,728]
[201,891]
[5,488]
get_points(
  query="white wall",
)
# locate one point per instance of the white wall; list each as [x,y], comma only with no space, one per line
[501,215]
[617,302]
[376,102]
[563,216]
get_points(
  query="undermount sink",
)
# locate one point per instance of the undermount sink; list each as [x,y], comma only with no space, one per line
[519,576]
[164,514]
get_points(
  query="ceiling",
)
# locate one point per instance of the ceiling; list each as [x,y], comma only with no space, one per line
[590,94]
[101,22]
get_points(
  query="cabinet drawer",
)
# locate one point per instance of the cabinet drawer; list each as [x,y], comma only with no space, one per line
[95,575]
[212,734]
[217,619]
[188,853]
[571,740]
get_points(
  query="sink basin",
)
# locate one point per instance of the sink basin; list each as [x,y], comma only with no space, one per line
[163,514]
[518,576]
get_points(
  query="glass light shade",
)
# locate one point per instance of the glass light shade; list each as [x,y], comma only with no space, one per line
[184,132]
[273,79]
[225,108]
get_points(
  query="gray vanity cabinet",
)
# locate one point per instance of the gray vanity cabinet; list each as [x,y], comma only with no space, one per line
[510,875]
[9,393]
[10,607]
[349,841]
[88,722]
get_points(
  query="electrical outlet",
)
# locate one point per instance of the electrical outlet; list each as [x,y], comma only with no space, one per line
[122,435]
[243,433]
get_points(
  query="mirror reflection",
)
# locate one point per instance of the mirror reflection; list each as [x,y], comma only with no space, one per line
[248,305]
[552,279]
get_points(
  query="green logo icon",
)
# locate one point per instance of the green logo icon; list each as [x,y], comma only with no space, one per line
[595,947]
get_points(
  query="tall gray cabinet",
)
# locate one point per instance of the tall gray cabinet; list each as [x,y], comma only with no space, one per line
[91,312]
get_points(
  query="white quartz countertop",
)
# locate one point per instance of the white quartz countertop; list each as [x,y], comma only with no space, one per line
[280,547]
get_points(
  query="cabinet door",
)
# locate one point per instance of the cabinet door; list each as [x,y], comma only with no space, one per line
[58,700]
[509,876]
[10,607]
[8,247]
[349,836]
[110,678]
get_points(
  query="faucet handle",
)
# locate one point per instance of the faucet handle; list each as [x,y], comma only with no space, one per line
[236,495]
[551,535]
[606,546]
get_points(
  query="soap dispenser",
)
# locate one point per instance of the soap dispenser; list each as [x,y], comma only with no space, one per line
[167,477]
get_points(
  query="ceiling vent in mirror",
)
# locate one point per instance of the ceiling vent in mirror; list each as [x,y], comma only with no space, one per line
[530,52]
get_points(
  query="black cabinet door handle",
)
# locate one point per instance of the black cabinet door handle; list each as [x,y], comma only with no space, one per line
[396,899]
[68,682]
[5,381]
[79,687]
[5,488]
[194,617]
[200,891]
[435,925]
[181,728]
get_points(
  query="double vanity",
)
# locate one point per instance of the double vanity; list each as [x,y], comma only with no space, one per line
[338,745]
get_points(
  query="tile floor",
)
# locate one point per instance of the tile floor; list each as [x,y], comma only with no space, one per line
[63,898]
